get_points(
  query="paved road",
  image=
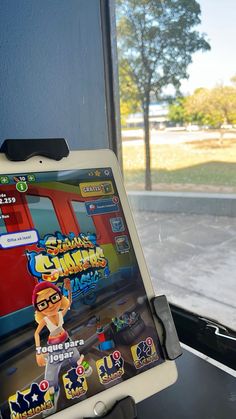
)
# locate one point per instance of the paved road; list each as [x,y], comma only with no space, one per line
[192,259]
[172,137]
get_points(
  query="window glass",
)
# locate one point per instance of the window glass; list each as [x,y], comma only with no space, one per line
[43,215]
[178,114]
[85,222]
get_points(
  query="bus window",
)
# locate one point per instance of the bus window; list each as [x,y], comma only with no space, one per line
[85,222]
[43,215]
[2,224]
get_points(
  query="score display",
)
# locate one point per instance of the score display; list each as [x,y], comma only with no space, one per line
[4,200]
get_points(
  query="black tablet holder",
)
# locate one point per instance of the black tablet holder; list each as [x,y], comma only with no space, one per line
[56,149]
[21,150]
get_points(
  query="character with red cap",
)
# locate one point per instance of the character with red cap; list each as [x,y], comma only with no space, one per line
[50,309]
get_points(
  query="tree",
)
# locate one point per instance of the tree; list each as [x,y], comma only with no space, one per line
[129,102]
[177,111]
[214,107]
[233,80]
[156,41]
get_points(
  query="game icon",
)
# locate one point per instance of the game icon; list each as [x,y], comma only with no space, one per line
[110,368]
[144,353]
[31,402]
[75,383]
[122,244]
[117,225]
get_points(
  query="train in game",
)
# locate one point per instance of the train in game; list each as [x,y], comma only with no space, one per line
[56,207]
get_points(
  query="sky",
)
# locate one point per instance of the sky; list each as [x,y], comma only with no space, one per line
[218,65]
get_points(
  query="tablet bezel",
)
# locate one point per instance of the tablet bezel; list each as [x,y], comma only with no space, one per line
[156,378]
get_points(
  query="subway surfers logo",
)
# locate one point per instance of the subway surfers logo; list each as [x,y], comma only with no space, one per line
[78,257]
[31,402]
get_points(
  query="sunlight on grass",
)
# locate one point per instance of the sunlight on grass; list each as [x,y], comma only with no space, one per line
[199,162]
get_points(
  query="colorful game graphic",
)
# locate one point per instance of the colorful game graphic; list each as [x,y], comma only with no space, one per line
[73,303]
[117,224]
[89,189]
[75,383]
[110,367]
[122,244]
[50,309]
[102,206]
[78,257]
[144,353]
[106,343]
[30,402]
[127,328]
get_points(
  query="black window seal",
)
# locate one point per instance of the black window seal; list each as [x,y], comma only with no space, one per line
[206,335]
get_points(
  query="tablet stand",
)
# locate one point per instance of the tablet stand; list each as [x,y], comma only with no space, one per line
[56,149]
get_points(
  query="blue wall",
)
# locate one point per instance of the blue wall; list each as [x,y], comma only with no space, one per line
[52,72]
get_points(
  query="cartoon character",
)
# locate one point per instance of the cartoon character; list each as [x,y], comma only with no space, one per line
[109,367]
[119,323]
[50,309]
[143,351]
[74,381]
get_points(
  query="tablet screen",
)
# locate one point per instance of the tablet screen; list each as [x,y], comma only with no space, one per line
[74,316]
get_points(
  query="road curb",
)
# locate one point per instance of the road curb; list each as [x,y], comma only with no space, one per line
[184,202]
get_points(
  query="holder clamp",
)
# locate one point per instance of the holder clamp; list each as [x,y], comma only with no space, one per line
[21,150]
[171,345]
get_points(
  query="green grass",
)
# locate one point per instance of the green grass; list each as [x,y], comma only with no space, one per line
[208,174]
[197,163]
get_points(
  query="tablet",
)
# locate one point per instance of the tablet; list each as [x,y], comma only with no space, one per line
[76,326]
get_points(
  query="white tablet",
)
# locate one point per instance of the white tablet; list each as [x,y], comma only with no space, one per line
[76,327]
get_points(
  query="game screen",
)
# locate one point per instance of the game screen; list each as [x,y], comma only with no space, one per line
[74,316]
